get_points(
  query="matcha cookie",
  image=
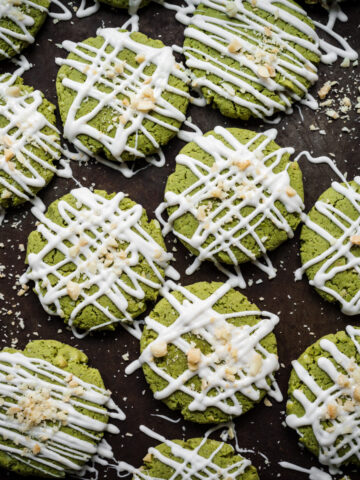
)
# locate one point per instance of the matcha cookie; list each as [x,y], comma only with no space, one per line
[324,398]
[330,246]
[132,5]
[53,410]
[195,458]
[121,95]
[20,20]
[29,141]
[207,351]
[251,58]
[96,259]
[234,196]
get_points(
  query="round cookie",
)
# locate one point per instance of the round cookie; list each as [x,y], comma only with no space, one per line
[125,102]
[187,458]
[20,21]
[208,352]
[251,59]
[234,196]
[131,5]
[53,410]
[330,246]
[29,141]
[324,398]
[96,259]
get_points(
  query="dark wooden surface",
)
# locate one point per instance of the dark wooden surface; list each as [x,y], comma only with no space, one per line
[304,316]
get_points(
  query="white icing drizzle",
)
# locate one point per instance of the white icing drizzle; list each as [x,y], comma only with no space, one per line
[332,52]
[338,404]
[340,247]
[131,82]
[314,472]
[64,14]
[192,465]
[238,363]
[256,186]
[22,131]
[96,256]
[86,11]
[273,49]
[60,394]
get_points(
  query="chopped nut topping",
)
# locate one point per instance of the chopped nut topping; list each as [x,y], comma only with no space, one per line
[290,192]
[356,394]
[8,154]
[159,349]
[140,58]
[193,357]
[14,91]
[235,45]
[256,364]
[148,457]
[332,411]
[263,72]
[267,31]
[73,289]
[36,449]
[355,239]
[324,90]
[242,164]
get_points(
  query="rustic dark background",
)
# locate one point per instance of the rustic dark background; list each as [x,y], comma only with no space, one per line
[304,316]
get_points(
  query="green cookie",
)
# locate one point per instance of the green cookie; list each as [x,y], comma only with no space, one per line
[96,259]
[324,398]
[37,412]
[200,457]
[330,251]
[249,58]
[125,103]
[30,142]
[234,196]
[203,355]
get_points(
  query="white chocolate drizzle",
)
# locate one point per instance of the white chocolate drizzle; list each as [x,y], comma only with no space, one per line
[253,44]
[91,239]
[313,472]
[343,49]
[23,130]
[86,11]
[144,92]
[35,385]
[340,246]
[338,404]
[238,363]
[246,179]
[192,464]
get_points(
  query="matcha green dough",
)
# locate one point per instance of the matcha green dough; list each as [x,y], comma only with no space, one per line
[126,3]
[215,225]
[113,280]
[19,23]
[26,161]
[251,60]
[176,361]
[74,362]
[161,460]
[134,100]
[323,398]
[329,242]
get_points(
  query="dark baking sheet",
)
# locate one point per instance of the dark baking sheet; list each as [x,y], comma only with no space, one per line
[304,316]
